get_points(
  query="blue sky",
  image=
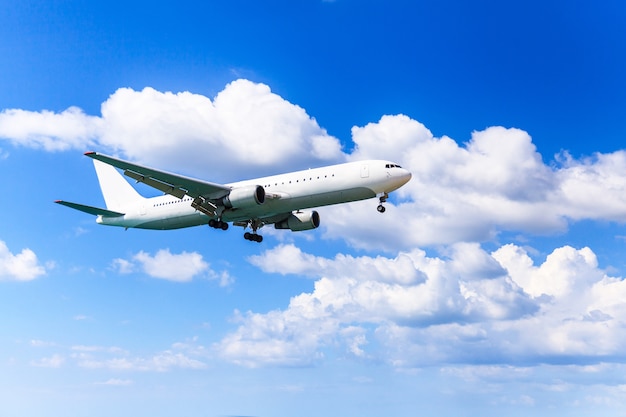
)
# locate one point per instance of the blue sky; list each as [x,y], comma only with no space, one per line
[493,284]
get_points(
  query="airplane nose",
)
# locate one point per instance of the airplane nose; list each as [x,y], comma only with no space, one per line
[405,176]
[399,177]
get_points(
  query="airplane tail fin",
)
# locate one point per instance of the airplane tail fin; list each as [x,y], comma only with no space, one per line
[117,192]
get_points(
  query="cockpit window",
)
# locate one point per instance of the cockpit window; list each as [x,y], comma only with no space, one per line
[392,166]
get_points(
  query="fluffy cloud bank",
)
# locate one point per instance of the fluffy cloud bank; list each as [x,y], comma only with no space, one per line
[245,129]
[23,266]
[408,308]
[412,310]
[497,181]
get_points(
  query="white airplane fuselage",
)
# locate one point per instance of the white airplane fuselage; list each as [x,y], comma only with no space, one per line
[284,193]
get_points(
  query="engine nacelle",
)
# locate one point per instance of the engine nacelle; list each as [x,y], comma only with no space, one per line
[243,197]
[300,221]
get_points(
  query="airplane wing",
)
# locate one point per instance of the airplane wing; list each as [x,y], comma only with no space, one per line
[167,182]
[89,209]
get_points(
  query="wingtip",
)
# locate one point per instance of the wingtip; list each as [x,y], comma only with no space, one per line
[90,153]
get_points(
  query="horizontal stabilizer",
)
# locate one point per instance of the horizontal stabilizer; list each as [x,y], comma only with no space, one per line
[89,209]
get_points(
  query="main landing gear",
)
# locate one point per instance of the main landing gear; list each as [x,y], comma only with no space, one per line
[218,224]
[382,199]
[254,225]
[253,237]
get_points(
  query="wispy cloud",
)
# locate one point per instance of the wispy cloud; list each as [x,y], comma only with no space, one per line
[180,356]
[116,382]
[54,361]
[41,343]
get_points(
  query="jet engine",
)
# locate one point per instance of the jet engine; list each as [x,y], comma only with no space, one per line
[300,221]
[243,197]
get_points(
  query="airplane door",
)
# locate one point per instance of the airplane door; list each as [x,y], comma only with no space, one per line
[365,171]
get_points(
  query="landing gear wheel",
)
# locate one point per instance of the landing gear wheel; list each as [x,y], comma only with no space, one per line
[253,237]
[218,224]
[383,200]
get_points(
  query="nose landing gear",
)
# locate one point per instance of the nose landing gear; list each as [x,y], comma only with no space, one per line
[382,199]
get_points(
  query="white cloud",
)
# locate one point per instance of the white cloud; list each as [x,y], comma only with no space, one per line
[180,356]
[51,131]
[116,382]
[289,338]
[246,129]
[54,361]
[288,259]
[495,182]
[123,266]
[23,266]
[466,307]
[182,267]
[41,343]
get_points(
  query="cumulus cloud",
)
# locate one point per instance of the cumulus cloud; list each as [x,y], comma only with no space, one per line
[182,267]
[468,306]
[471,192]
[245,129]
[23,266]
[69,129]
[497,181]
[165,265]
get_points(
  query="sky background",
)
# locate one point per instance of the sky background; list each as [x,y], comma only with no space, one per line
[494,283]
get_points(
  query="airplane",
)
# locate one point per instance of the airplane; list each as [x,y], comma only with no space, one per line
[277,200]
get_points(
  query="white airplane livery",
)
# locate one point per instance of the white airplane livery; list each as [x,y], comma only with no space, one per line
[278,200]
